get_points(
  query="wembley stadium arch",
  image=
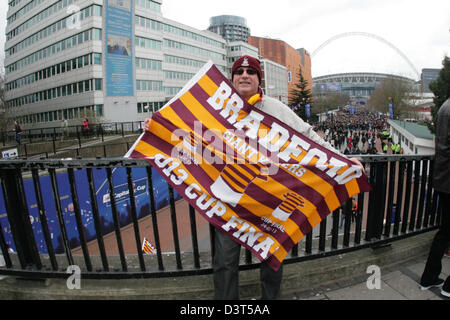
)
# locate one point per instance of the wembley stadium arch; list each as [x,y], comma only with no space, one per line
[369,36]
[358,85]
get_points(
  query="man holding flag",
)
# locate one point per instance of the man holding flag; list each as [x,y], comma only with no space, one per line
[246,79]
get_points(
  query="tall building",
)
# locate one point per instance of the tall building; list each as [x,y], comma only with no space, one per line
[285,55]
[236,49]
[426,77]
[118,60]
[231,28]
[274,82]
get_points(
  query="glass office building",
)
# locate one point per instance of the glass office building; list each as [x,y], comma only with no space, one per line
[119,60]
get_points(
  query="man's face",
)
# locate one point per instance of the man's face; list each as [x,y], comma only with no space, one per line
[246,81]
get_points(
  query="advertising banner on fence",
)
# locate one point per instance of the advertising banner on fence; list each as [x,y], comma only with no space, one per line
[102,193]
[250,175]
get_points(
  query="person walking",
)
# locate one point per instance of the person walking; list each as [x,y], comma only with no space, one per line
[441,183]
[85,127]
[18,131]
[64,128]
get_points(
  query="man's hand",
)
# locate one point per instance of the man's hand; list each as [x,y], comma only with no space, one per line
[147,124]
[356,161]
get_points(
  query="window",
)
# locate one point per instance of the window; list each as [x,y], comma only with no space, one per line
[97,58]
[98,84]
[97,34]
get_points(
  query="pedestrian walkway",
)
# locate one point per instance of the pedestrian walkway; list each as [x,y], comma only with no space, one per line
[399,282]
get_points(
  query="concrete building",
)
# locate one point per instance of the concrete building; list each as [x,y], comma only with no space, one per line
[236,49]
[118,60]
[426,77]
[414,138]
[274,82]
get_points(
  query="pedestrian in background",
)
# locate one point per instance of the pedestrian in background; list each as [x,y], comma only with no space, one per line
[64,128]
[441,183]
[85,127]
[18,131]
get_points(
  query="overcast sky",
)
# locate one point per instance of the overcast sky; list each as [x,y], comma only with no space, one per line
[418,29]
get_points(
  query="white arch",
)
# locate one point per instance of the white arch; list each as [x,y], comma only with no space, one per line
[368,35]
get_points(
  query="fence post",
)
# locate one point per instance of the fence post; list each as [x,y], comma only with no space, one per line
[377,200]
[19,218]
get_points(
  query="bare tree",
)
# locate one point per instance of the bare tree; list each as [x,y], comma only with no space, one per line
[395,91]
[329,101]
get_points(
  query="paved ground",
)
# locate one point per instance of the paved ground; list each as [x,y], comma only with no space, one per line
[397,283]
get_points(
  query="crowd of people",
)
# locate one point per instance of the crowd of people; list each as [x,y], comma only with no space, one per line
[355,134]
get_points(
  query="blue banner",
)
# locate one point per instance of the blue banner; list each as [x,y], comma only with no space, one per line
[121,192]
[391,112]
[119,48]
[308,110]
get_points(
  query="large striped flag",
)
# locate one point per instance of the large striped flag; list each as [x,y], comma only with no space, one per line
[253,177]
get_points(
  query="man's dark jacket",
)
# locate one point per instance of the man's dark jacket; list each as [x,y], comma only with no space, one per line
[441,181]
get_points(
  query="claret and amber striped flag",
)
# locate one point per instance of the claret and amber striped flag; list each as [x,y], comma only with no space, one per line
[147,247]
[253,177]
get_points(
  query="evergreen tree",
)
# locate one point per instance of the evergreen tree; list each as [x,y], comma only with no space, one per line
[441,90]
[300,96]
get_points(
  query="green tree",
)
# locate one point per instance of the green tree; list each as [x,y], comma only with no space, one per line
[300,96]
[441,90]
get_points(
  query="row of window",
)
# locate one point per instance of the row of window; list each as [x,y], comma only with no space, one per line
[56,7]
[183,61]
[192,49]
[171,91]
[68,113]
[149,85]
[67,22]
[61,91]
[149,106]
[96,58]
[79,38]
[178,75]
[152,5]
[160,26]
[13,3]
[66,66]
[148,64]
[147,43]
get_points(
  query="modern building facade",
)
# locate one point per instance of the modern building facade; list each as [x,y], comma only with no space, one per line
[231,28]
[236,49]
[285,55]
[426,77]
[118,60]
[274,82]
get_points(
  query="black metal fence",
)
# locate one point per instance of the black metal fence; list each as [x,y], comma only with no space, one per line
[401,204]
[97,130]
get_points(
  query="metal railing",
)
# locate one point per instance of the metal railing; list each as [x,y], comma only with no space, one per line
[402,203]
[97,130]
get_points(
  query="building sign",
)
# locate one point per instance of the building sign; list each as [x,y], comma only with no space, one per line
[119,47]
